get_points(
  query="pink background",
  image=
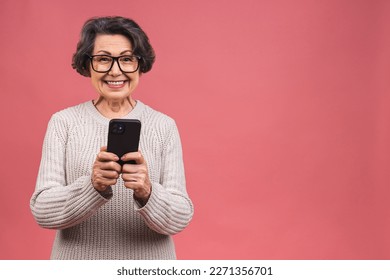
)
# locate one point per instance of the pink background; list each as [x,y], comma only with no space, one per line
[283,109]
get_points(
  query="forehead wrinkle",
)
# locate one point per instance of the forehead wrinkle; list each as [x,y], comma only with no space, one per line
[112,44]
[108,53]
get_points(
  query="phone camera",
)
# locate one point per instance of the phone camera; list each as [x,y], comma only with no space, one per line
[118,128]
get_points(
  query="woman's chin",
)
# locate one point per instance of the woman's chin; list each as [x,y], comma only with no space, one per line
[114,94]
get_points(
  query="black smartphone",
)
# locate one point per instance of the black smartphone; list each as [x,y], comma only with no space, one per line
[123,137]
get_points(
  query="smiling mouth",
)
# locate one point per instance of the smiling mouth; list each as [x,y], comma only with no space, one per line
[115,83]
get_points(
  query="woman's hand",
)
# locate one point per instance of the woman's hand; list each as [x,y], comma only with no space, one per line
[106,170]
[136,177]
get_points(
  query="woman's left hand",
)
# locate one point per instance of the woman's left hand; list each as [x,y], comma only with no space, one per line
[136,177]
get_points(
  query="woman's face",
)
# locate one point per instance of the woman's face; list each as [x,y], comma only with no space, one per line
[113,85]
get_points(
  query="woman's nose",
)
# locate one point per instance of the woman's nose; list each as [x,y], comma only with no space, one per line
[115,70]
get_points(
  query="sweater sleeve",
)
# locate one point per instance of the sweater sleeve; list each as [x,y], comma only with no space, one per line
[169,209]
[56,204]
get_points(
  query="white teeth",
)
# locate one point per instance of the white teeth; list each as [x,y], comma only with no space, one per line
[115,83]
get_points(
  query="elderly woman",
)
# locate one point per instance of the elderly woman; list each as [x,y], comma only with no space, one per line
[101,209]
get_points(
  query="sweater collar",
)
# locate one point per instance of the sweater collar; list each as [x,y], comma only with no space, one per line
[134,114]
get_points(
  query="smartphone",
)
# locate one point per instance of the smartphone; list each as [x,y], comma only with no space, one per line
[123,137]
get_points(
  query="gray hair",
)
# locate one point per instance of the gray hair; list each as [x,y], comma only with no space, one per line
[112,26]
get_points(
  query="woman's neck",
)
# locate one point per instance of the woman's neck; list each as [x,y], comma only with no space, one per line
[114,108]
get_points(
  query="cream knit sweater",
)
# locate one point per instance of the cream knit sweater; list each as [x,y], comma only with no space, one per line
[90,226]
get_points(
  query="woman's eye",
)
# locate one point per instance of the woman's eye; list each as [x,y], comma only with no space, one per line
[127,59]
[104,59]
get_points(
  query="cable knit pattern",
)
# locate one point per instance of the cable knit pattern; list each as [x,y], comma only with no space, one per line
[90,226]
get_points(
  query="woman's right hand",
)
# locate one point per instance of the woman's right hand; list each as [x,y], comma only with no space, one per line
[105,170]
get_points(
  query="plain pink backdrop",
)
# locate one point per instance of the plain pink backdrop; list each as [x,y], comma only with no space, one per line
[283,109]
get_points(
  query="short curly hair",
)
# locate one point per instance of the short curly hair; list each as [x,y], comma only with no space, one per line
[112,26]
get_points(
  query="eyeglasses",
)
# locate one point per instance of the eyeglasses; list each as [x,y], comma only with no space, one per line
[104,63]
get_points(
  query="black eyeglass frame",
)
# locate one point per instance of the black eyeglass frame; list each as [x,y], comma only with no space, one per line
[115,58]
